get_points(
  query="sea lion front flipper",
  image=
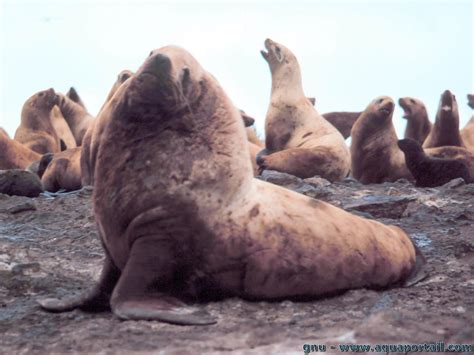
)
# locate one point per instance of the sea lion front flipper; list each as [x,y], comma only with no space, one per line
[419,272]
[149,274]
[96,300]
[164,309]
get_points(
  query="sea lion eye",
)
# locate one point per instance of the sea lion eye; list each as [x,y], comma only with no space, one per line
[41,94]
[412,101]
[151,53]
[379,101]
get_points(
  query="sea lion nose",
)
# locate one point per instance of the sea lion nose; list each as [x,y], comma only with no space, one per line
[159,63]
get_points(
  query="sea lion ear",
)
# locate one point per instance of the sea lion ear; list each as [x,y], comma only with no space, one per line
[312,100]
[186,74]
[279,54]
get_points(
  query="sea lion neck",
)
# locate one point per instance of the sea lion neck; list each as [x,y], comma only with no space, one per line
[287,84]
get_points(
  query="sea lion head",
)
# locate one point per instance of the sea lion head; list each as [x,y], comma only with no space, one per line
[470,100]
[381,108]
[411,107]
[170,78]
[42,100]
[277,56]
[410,146]
[448,107]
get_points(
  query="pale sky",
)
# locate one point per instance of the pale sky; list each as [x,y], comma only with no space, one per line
[349,51]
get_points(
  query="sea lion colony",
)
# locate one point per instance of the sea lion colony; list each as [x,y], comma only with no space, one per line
[182,218]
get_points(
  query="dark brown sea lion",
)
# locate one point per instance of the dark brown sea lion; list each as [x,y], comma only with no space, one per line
[74,96]
[429,171]
[13,154]
[375,155]
[78,119]
[470,100]
[16,182]
[418,124]
[36,131]
[445,131]
[200,226]
[91,139]
[62,171]
[343,121]
[298,140]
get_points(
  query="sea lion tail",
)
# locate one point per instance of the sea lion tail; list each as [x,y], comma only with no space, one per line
[419,271]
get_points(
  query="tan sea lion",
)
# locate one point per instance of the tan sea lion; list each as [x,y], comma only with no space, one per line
[201,227]
[467,133]
[36,131]
[418,124]
[445,131]
[62,171]
[375,155]
[78,119]
[343,121]
[13,154]
[91,139]
[298,140]
[62,129]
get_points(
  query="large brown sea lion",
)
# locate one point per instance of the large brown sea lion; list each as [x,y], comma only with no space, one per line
[91,139]
[418,124]
[13,154]
[61,170]
[201,226]
[445,131]
[343,121]
[375,155]
[429,171]
[36,131]
[298,140]
[78,119]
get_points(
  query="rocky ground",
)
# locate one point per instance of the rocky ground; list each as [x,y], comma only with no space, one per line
[49,246]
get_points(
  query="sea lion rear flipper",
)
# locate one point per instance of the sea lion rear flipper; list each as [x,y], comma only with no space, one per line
[96,300]
[150,271]
[419,272]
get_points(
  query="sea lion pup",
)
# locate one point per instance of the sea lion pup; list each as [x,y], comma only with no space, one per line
[375,155]
[78,119]
[200,226]
[418,124]
[13,154]
[343,121]
[74,96]
[430,171]
[36,131]
[445,130]
[62,129]
[61,170]
[91,139]
[298,140]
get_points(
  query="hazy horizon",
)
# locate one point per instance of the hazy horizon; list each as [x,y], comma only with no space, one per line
[349,52]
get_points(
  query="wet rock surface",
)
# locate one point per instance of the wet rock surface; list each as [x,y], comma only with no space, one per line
[49,247]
